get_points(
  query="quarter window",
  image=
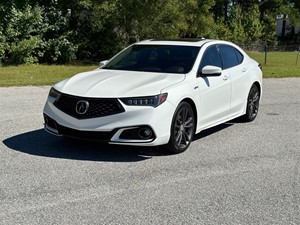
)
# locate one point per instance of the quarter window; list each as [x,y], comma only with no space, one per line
[239,56]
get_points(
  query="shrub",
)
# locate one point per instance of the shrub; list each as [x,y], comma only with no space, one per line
[24,51]
[2,48]
[59,50]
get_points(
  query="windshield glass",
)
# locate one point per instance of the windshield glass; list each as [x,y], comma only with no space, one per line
[156,58]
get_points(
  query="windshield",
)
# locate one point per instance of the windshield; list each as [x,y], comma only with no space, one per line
[156,58]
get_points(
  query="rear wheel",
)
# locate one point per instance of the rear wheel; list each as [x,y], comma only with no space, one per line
[182,128]
[252,104]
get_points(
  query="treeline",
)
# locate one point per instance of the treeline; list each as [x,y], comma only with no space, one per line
[59,31]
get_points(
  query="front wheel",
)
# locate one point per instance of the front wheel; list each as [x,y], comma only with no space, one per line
[252,104]
[182,128]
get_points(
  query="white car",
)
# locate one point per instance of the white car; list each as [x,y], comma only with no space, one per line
[157,93]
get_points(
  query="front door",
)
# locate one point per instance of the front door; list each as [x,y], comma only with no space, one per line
[214,91]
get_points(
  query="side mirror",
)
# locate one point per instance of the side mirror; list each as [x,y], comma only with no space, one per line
[103,63]
[211,71]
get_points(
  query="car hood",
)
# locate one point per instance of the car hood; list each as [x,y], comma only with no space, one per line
[116,83]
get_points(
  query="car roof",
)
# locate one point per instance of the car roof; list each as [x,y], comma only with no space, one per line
[182,41]
[196,42]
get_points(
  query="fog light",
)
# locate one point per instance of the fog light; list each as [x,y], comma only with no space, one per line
[145,133]
[142,133]
[50,122]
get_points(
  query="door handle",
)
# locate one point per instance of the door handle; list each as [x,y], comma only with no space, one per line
[244,69]
[226,77]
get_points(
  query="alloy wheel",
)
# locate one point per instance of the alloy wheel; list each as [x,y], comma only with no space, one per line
[252,104]
[183,129]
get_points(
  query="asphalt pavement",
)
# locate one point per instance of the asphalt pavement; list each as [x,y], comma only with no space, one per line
[235,173]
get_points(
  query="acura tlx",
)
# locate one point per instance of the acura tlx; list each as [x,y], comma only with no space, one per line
[157,93]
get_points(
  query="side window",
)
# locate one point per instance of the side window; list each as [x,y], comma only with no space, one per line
[239,56]
[210,57]
[229,55]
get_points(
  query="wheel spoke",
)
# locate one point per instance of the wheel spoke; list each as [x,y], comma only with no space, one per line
[255,97]
[177,127]
[179,120]
[188,122]
[184,115]
[178,138]
[184,139]
[189,125]
[187,136]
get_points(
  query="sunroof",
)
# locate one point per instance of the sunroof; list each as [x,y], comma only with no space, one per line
[182,39]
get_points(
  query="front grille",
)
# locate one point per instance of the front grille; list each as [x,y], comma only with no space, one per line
[78,134]
[98,107]
[85,135]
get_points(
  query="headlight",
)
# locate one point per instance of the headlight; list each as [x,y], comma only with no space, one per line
[54,93]
[153,101]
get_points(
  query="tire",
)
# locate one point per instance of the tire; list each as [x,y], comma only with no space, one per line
[182,129]
[252,104]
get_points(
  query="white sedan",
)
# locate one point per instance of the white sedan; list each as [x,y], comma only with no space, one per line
[157,92]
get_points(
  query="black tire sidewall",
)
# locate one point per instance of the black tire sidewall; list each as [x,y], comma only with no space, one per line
[172,145]
[249,117]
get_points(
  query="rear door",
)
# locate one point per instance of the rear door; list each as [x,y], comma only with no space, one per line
[233,64]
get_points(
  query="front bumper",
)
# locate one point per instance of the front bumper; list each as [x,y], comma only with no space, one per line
[138,125]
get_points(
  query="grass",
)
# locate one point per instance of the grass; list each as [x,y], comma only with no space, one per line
[279,64]
[36,75]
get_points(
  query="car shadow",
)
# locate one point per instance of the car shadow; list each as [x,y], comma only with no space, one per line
[213,130]
[40,143]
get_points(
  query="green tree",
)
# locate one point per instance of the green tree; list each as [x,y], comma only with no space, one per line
[21,31]
[252,25]
[2,47]
[58,45]
[198,19]
[236,26]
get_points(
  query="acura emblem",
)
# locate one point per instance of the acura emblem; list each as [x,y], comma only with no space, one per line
[82,107]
